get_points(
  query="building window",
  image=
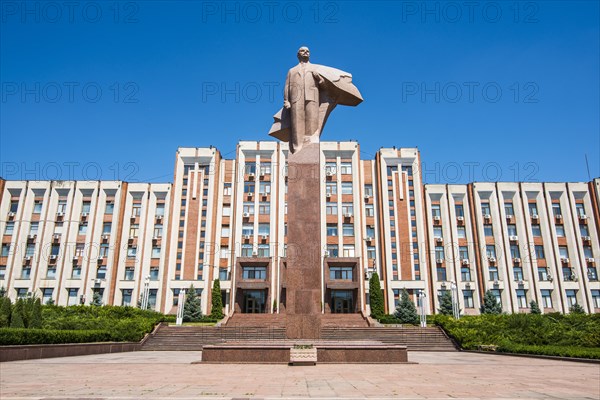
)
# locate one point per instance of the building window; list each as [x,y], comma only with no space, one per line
[157,231]
[346,168]
[37,206]
[248,208]
[571,297]
[154,273]
[462,232]
[439,253]
[248,229]
[248,187]
[265,168]
[101,272]
[468,299]
[126,297]
[347,209]
[82,228]
[5,250]
[264,229]
[225,231]
[332,230]
[348,229]
[587,252]
[556,211]
[583,230]
[485,208]
[340,273]
[152,298]
[155,251]
[73,300]
[521,298]
[348,250]
[369,190]
[514,251]
[51,272]
[493,270]
[596,298]
[246,250]
[26,272]
[459,210]
[435,211]
[497,295]
[264,208]
[129,273]
[560,230]
[539,252]
[465,274]
[543,273]
[546,298]
[441,274]
[533,208]
[86,206]
[536,230]
[9,229]
[508,209]
[592,273]
[227,189]
[369,210]
[346,187]
[265,188]
[563,251]
[371,252]
[512,230]
[131,251]
[258,273]
[2,272]
[488,230]
[47,295]
[518,273]
[332,250]
[463,253]
[250,168]
[108,208]
[437,232]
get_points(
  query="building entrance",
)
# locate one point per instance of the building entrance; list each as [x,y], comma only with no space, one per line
[254,301]
[342,301]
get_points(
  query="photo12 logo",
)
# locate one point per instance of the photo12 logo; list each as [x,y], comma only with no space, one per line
[71,12]
[69,92]
[471,12]
[470,92]
[270,12]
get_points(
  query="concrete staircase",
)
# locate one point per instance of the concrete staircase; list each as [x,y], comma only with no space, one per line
[415,338]
[343,320]
[189,338]
[257,320]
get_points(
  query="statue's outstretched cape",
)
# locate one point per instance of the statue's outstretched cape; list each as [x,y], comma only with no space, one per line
[337,89]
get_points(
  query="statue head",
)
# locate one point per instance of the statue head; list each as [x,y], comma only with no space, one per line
[303,54]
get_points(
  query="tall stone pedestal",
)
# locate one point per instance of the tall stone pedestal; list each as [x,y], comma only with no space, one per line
[303,298]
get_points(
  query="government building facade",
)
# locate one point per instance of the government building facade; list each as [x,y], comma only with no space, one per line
[227,219]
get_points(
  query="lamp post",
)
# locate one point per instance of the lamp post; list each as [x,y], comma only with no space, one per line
[180,304]
[454,293]
[146,293]
[422,316]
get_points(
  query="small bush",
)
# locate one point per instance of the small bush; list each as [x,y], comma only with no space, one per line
[14,336]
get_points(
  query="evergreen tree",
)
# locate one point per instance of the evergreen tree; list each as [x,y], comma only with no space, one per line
[192,311]
[446,304]
[217,301]
[490,305]
[36,315]
[2,291]
[96,299]
[406,311]
[16,320]
[576,309]
[27,310]
[534,308]
[376,297]
[5,311]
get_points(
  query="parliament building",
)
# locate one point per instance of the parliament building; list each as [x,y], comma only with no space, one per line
[227,219]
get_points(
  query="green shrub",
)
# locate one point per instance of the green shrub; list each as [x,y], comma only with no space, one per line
[446,307]
[376,297]
[217,301]
[406,311]
[5,311]
[16,319]
[14,336]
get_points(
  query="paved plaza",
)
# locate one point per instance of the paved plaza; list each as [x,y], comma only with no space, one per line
[158,375]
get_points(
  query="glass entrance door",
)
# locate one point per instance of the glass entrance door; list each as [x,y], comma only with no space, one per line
[342,301]
[254,301]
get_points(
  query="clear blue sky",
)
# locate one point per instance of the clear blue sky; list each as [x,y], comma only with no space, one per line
[192,73]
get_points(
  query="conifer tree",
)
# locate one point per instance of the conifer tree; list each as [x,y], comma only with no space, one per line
[217,301]
[534,308]
[490,304]
[376,297]
[192,311]
[406,311]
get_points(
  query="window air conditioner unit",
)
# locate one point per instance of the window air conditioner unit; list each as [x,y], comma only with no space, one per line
[465,262]
[574,278]
[155,238]
[329,173]
[100,259]
[251,175]
[516,260]
[159,217]
[460,218]
[246,215]
[586,238]
[328,195]
[520,283]
[369,239]
[250,194]
[492,259]
[97,281]
[436,218]
[56,236]
[84,215]
[254,254]
[262,173]
[75,258]
[105,236]
[513,238]
[31,236]
[27,258]
[487,216]
[549,278]
[582,216]
[558,216]
[265,237]
[348,215]
[131,238]
[326,253]
[535,216]
[439,239]
[439,260]
[60,214]
[591,260]
[367,196]
[53,257]
[509,216]
[496,283]
[11,214]
[247,237]
[564,260]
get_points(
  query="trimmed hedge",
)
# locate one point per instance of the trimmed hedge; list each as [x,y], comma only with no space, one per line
[571,335]
[20,336]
